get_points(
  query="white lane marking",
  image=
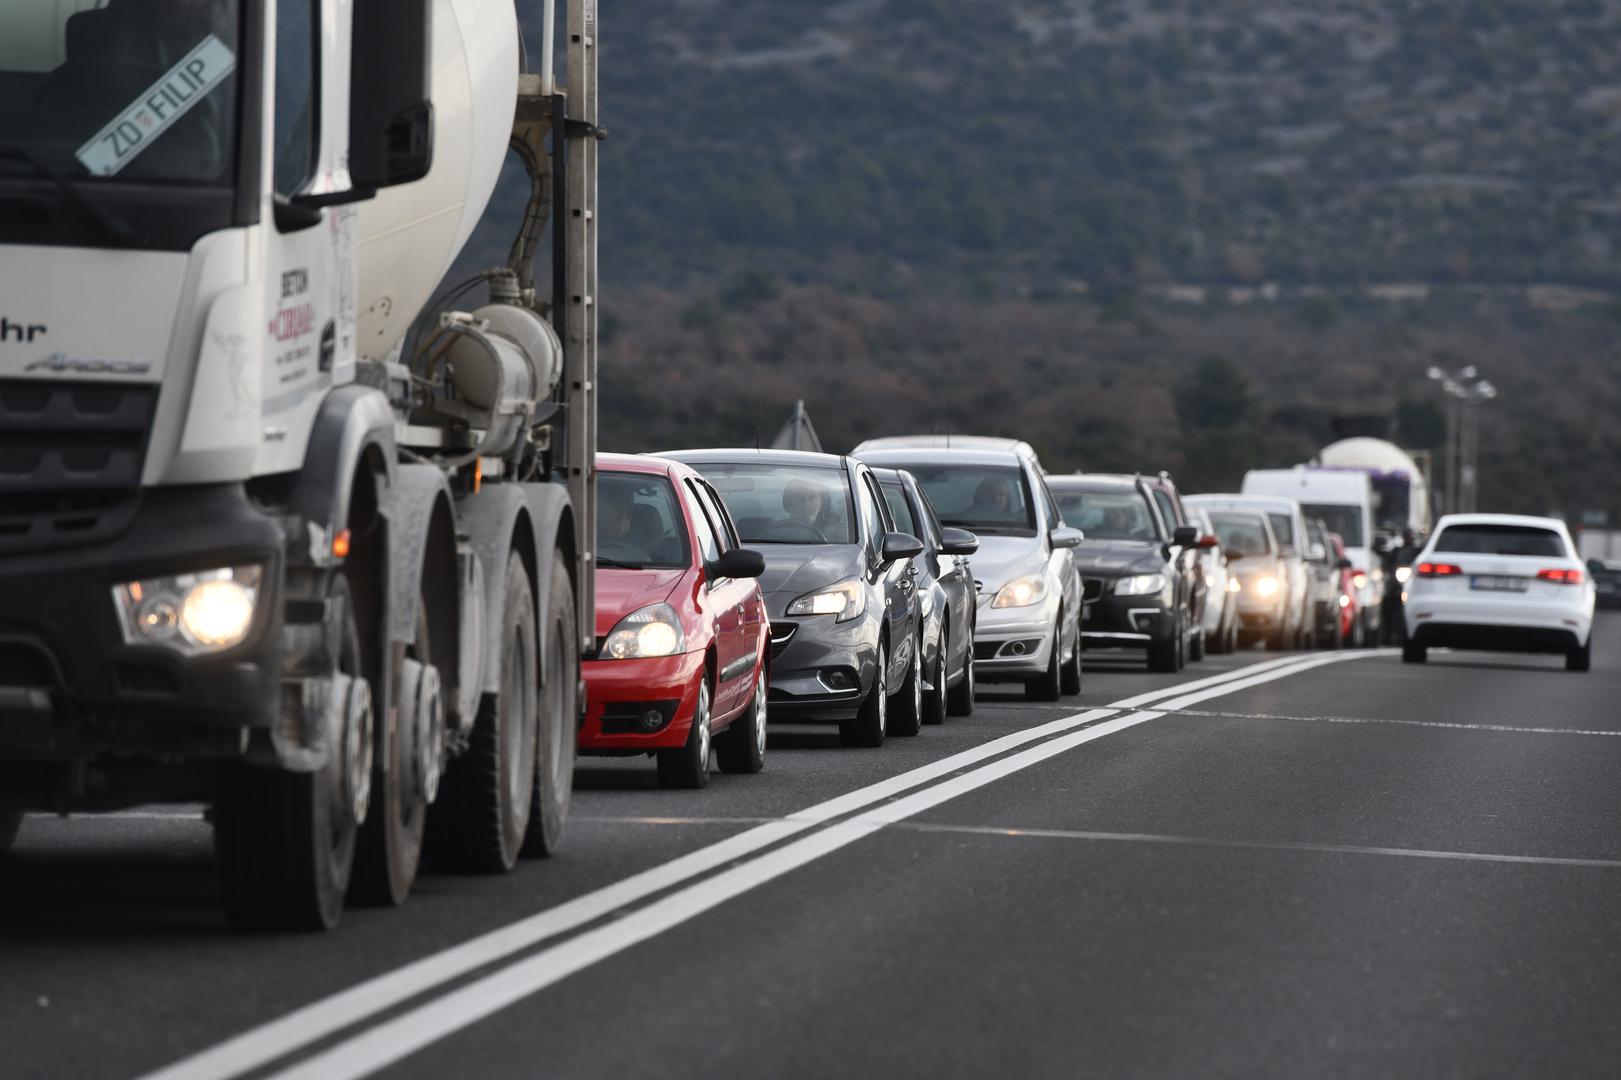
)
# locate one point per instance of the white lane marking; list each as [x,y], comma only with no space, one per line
[403,1035]
[1265,845]
[1443,724]
[311,1023]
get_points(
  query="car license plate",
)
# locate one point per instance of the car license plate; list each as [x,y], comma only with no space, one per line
[1499,583]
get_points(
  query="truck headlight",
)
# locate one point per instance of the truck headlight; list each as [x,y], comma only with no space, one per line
[1139,585]
[652,631]
[194,614]
[847,600]
[1026,591]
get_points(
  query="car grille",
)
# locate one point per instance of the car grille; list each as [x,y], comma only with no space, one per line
[1092,588]
[70,461]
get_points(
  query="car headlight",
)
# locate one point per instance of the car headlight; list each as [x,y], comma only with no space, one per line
[206,612]
[653,631]
[1359,580]
[1403,574]
[1266,585]
[1026,591]
[1139,585]
[1234,585]
[1345,601]
[847,600]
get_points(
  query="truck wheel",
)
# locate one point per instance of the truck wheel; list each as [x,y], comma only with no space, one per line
[482,813]
[871,723]
[742,748]
[391,840]
[1048,686]
[10,822]
[286,842]
[687,766]
[960,702]
[559,717]
[1069,677]
[907,718]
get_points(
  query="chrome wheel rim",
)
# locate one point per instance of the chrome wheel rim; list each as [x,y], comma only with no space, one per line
[759,714]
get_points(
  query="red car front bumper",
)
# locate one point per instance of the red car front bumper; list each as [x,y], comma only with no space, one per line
[621,694]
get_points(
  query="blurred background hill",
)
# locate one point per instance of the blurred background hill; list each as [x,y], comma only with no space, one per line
[1047,216]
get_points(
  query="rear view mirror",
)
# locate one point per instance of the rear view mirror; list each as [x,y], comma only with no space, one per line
[1185,536]
[390,97]
[958,542]
[738,563]
[899,545]
[1066,537]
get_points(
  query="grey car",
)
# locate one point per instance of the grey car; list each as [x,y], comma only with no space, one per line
[842,604]
[945,594]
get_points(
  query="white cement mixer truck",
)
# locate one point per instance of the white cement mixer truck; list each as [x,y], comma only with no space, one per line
[278,533]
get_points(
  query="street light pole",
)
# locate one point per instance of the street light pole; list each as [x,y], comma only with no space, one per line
[1465,391]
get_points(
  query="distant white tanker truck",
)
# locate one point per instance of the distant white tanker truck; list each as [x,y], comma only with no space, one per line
[1401,492]
[263,544]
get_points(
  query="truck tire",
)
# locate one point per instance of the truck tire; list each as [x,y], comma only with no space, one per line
[907,716]
[871,722]
[481,816]
[687,766]
[741,748]
[559,717]
[10,822]
[284,842]
[390,849]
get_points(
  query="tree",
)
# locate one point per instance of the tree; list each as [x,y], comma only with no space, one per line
[1215,394]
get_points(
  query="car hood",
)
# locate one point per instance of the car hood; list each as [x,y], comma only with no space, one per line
[1109,558]
[792,570]
[1000,559]
[620,592]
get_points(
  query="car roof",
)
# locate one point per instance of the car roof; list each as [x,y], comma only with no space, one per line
[1244,502]
[740,456]
[948,442]
[901,456]
[1099,482]
[640,463]
[1526,520]
[887,475]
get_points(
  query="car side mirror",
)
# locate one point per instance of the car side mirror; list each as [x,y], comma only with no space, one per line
[738,563]
[1208,541]
[1345,564]
[1066,537]
[899,545]
[1185,536]
[958,542]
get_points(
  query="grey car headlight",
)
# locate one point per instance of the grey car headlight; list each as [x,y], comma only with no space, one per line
[847,600]
[1140,585]
[194,614]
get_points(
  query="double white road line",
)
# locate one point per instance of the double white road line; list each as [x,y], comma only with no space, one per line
[745,862]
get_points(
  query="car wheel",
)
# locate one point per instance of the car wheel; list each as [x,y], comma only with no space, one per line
[1196,648]
[935,708]
[1070,676]
[1580,659]
[869,725]
[10,822]
[742,748]
[1414,653]
[960,700]
[1048,686]
[1162,652]
[907,718]
[687,766]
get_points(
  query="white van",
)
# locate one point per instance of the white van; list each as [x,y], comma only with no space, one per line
[1343,499]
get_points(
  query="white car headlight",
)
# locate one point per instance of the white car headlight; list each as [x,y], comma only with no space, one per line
[1026,591]
[847,600]
[652,631]
[194,614]
[1139,585]
[1266,585]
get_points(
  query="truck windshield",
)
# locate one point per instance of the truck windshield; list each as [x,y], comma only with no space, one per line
[1340,518]
[139,91]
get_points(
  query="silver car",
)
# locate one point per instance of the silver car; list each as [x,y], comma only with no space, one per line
[1028,624]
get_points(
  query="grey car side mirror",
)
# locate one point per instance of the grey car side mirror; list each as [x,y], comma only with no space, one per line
[1066,537]
[899,545]
[958,542]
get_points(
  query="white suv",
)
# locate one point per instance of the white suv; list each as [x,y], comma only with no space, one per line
[1503,583]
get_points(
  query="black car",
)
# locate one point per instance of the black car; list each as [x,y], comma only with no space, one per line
[842,604]
[945,595]
[1606,582]
[1136,567]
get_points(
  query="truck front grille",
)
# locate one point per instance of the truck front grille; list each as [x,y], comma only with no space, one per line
[70,461]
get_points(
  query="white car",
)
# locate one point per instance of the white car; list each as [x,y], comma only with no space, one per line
[1503,583]
[1289,530]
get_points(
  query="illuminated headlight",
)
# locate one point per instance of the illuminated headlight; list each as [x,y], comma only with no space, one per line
[1345,601]
[1022,592]
[847,600]
[1265,586]
[1139,585]
[1210,581]
[191,613]
[1403,574]
[1360,580]
[652,631]
[1234,585]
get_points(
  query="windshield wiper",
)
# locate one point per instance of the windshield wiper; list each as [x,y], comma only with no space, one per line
[615,564]
[108,222]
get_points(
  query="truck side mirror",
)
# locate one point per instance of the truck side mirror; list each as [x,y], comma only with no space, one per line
[391,94]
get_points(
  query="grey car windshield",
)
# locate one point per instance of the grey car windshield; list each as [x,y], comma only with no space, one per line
[1241,534]
[1107,515]
[1342,519]
[136,90]
[639,523]
[993,499]
[784,504]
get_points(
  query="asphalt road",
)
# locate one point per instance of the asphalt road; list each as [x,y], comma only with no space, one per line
[1312,865]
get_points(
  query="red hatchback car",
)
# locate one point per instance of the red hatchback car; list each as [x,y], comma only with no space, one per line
[683,641]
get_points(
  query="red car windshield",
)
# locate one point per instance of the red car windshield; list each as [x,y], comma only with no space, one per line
[639,523]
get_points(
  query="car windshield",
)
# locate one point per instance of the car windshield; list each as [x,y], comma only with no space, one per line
[1501,540]
[989,499]
[639,524]
[900,509]
[1283,528]
[1340,518]
[1107,515]
[135,90]
[784,504]
[1241,534]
